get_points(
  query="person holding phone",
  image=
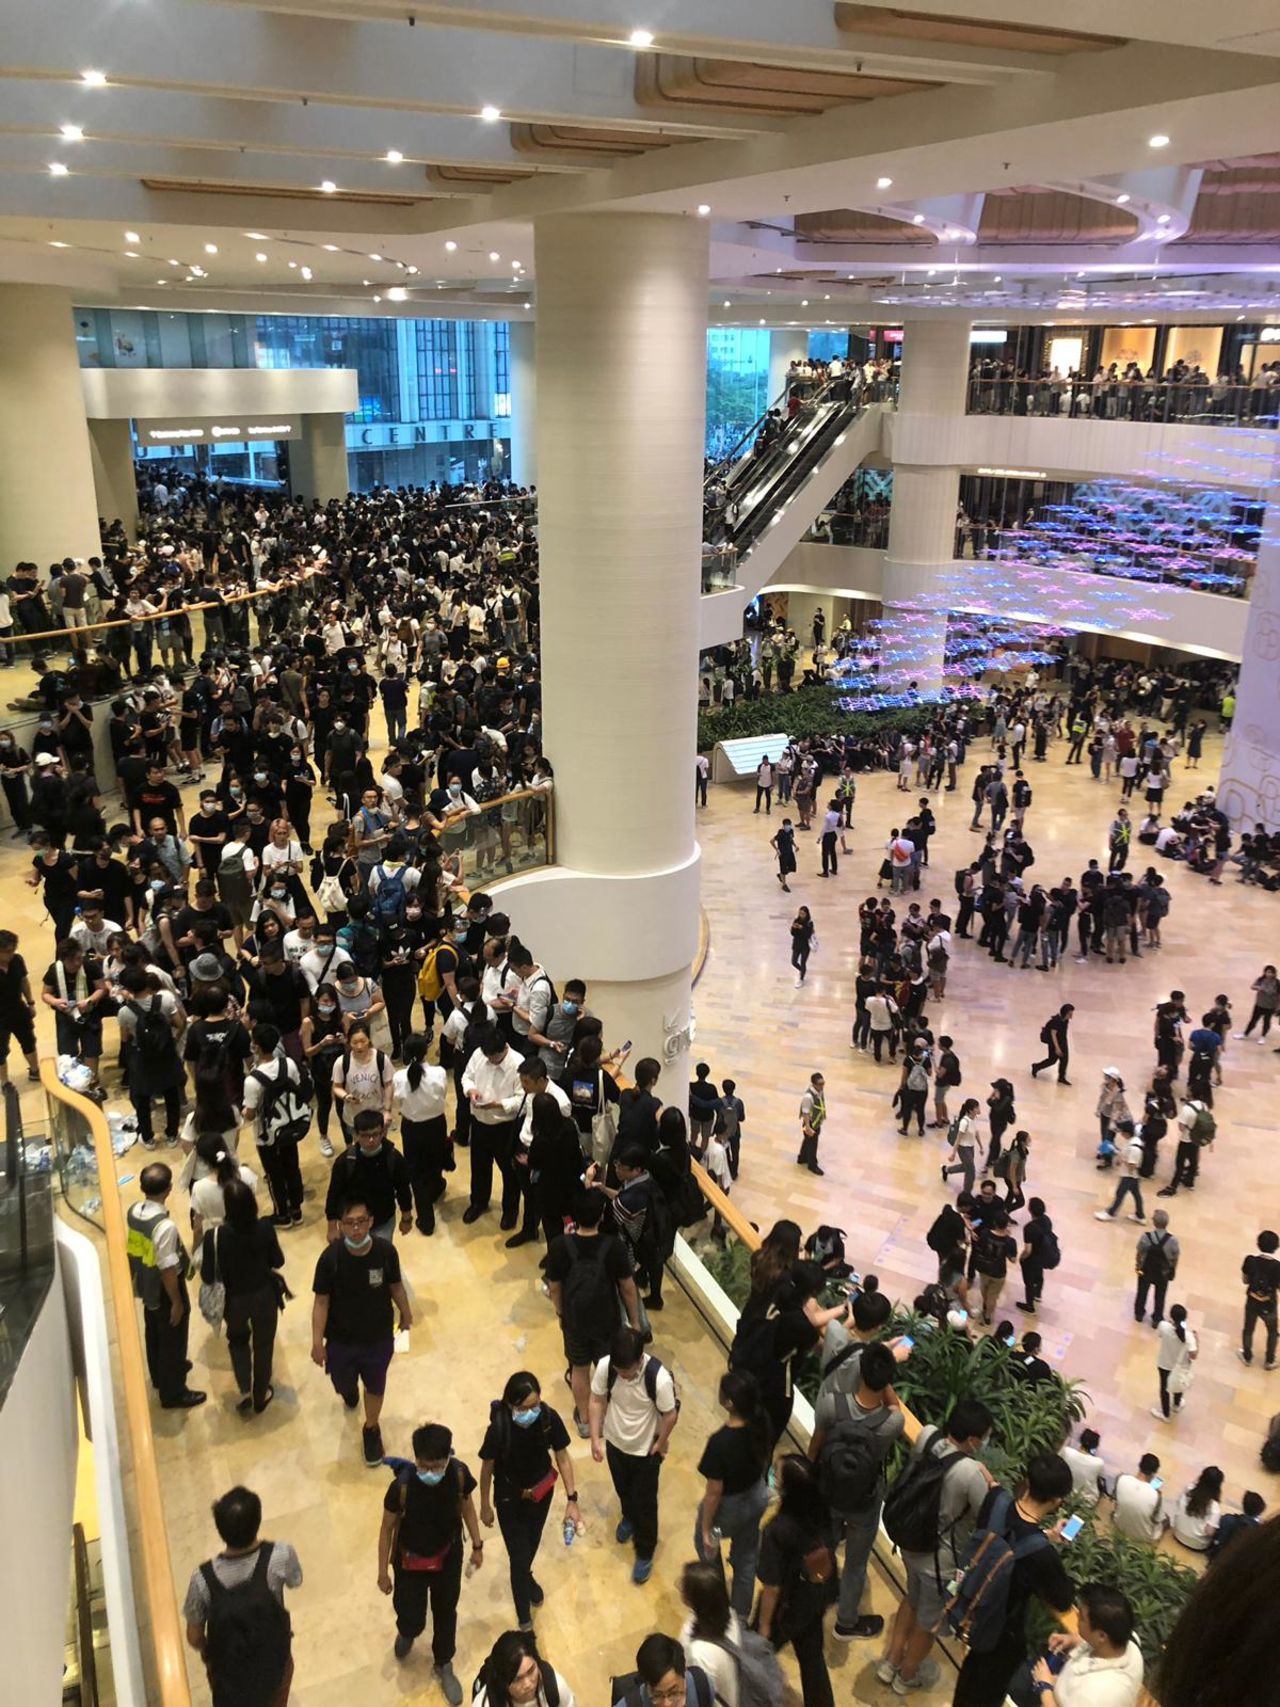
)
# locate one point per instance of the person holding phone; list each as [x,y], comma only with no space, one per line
[1101,1665]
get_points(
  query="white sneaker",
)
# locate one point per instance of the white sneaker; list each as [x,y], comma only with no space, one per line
[927,1674]
[886,1671]
[326,1148]
[1105,1215]
[1140,1219]
[1239,1036]
[1158,1414]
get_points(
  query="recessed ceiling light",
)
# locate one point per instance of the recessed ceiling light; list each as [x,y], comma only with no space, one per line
[364,281]
[211,248]
[394,157]
[162,281]
[726,302]
[54,244]
[331,247]
[257,236]
[490,115]
[57,169]
[375,257]
[95,79]
[328,186]
[450,246]
[377,299]
[411,269]
[132,237]
[73,132]
[641,38]
[306,272]
[516,264]
[132,254]
[805,303]
[827,297]
[494,255]
[884,183]
[528,305]
[294,265]
[762,322]
[1159,140]
[704,208]
[397,293]
[917,219]
[1163,218]
[1121,200]
[996,280]
[260,256]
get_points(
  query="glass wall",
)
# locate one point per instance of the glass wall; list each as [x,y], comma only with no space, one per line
[737,384]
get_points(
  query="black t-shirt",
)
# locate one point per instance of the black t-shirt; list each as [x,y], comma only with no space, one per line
[283,992]
[228,1038]
[1035,1235]
[607,1249]
[158,800]
[359,1291]
[431,1521]
[11,981]
[189,917]
[521,1456]
[1261,1272]
[1040,1573]
[993,1254]
[731,1457]
[638,1118]
[210,824]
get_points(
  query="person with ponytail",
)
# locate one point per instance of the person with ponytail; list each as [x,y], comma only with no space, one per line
[418,1094]
[1176,1350]
[733,1463]
[244,1254]
[216,1167]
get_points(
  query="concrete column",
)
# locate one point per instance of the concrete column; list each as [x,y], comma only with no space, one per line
[48,508]
[785,348]
[621,353]
[935,367]
[114,482]
[318,462]
[1249,786]
[524,404]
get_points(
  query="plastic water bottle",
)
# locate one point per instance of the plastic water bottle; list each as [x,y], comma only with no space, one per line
[570,1531]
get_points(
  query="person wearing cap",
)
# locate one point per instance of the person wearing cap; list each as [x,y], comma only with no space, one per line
[1111,1107]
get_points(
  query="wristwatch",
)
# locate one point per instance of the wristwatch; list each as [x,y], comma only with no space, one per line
[571,1499]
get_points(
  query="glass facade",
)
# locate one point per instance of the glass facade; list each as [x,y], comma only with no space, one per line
[434,395]
[737,384]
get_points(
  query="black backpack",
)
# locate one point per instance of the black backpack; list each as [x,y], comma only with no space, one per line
[944,1235]
[849,1464]
[912,1511]
[247,1637]
[152,1033]
[753,1343]
[276,1089]
[1156,1265]
[588,1297]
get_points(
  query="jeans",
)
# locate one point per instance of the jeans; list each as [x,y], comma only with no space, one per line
[635,1481]
[1127,1187]
[251,1319]
[963,1165]
[522,1523]
[738,1518]
[1253,1314]
[860,1531]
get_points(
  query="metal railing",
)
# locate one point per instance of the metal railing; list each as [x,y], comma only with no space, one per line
[504,837]
[1213,404]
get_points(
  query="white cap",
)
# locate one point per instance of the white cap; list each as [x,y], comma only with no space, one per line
[46,759]
[1111,1072]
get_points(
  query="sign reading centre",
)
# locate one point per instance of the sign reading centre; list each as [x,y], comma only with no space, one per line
[218,429]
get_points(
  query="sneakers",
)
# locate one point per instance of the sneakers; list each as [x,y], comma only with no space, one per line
[870,1624]
[1105,1215]
[326,1149]
[402,1646]
[927,1674]
[372,1438]
[886,1671]
[1245,1360]
[641,1571]
[1158,1414]
[1140,1219]
[583,1428]
[450,1688]
[624,1531]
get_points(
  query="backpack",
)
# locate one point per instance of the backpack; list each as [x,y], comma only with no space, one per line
[1270,1454]
[1050,1250]
[942,1236]
[753,1341]
[430,982]
[510,609]
[760,1679]
[849,1465]
[629,1690]
[587,1298]
[278,1090]
[917,1078]
[978,1609]
[388,902]
[912,1509]
[661,1222]
[361,942]
[652,1369]
[1204,1128]
[247,1636]
[152,1033]
[1157,1266]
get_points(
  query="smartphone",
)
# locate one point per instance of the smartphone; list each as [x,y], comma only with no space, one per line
[1157,1482]
[906,1342]
[626,1047]
[1071,1528]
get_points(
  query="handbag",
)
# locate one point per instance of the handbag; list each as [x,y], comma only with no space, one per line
[541,1490]
[331,895]
[1180,1378]
[604,1127]
[212,1297]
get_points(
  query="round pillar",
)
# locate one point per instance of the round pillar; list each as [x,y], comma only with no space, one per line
[1249,786]
[621,375]
[318,460]
[115,483]
[48,509]
[524,403]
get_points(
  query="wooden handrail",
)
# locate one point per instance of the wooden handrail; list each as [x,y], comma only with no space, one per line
[157,1568]
[259,592]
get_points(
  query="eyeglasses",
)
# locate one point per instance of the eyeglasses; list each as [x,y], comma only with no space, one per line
[674,1695]
[355,1222]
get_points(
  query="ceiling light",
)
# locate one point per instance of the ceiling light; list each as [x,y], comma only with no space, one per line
[132,254]
[762,322]
[294,265]
[364,281]
[73,132]
[704,208]
[996,280]
[917,219]
[1163,218]
[328,186]
[805,303]
[132,237]
[528,305]
[726,302]
[174,263]
[1159,140]
[490,115]
[1121,200]
[211,248]
[95,79]
[394,157]
[306,272]
[397,293]
[515,263]
[884,183]
[375,257]
[57,169]
[377,299]
[331,247]
[450,246]
[259,256]
[641,38]
[494,255]
[411,269]
[54,244]
[257,236]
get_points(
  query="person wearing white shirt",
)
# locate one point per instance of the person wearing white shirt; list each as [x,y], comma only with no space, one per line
[633,1413]
[1139,1511]
[92,931]
[491,1085]
[712,1632]
[418,1095]
[1087,1469]
[320,957]
[1198,1511]
[1104,1666]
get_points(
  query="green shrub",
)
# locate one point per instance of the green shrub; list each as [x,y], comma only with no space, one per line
[808,711]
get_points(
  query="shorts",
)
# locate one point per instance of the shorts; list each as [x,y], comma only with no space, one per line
[581,1350]
[348,1365]
[924,1597]
[20,1027]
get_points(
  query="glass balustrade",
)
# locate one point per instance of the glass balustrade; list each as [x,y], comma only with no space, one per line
[502,837]
[1214,403]
[26,1232]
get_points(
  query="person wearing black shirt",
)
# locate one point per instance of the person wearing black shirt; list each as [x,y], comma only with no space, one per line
[357,1280]
[773,1330]
[210,830]
[1036,1238]
[588,1273]
[17,1008]
[157,798]
[985,1677]
[423,1513]
[244,1254]
[1053,1034]
[1028,1365]
[516,1455]
[1261,1275]
[375,1171]
[280,994]
[217,1033]
[733,1463]
[101,878]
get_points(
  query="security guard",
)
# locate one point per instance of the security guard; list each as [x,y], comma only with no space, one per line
[160,1265]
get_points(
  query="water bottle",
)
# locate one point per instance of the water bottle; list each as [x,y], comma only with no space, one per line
[570,1531]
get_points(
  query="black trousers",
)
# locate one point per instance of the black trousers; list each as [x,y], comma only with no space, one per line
[913,1102]
[283,1175]
[829,861]
[815,1679]
[1254,1312]
[415,1590]
[462,1122]
[984,1678]
[492,1144]
[251,1319]
[1186,1165]
[166,1348]
[522,1523]
[765,794]
[426,1150]
[172,1111]
[1159,1289]
[635,1481]
[399,988]
[1049,1060]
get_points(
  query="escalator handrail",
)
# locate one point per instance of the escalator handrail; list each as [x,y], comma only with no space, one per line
[735,450]
[788,471]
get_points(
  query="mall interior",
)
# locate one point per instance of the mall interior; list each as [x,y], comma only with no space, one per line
[631,461]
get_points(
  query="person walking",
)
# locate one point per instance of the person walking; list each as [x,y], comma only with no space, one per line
[1001,1115]
[418,1094]
[798,1576]
[159,1266]
[1156,1263]
[946,1077]
[963,1135]
[244,1254]
[764,784]
[374,1171]
[803,938]
[1176,1351]
[1039,1252]
[1111,1107]
[589,1280]
[424,1512]
[1054,1036]
[280,1114]
[518,1478]
[993,1251]
[813,1113]
[238,1591]
[1266,998]
[1260,1272]
[633,1415]
[1130,1151]
[783,843]
[735,1495]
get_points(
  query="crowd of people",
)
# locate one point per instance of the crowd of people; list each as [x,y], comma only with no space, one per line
[1001,386]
